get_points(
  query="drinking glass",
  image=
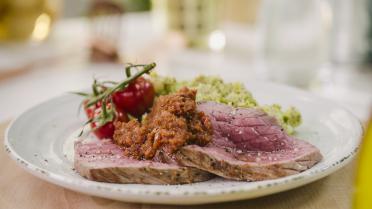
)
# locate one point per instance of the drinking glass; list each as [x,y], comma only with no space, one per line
[294,36]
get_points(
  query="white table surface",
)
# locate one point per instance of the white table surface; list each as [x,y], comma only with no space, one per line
[349,86]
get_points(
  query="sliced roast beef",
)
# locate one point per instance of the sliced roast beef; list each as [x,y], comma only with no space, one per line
[248,145]
[104,161]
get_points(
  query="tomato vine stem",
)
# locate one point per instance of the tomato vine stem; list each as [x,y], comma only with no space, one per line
[146,69]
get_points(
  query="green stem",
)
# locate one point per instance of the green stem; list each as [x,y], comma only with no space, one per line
[109,82]
[94,87]
[129,67]
[127,71]
[146,69]
[104,110]
[109,91]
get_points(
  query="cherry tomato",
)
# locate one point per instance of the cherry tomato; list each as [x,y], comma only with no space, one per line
[91,111]
[103,132]
[137,98]
[107,131]
[121,116]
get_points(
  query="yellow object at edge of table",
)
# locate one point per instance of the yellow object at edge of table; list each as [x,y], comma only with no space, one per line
[363,187]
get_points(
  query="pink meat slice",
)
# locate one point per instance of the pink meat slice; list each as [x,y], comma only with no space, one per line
[104,161]
[248,145]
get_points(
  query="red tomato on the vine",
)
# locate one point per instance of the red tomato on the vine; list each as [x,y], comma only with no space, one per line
[104,131]
[91,110]
[136,98]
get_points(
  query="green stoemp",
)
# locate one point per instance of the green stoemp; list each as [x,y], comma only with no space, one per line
[213,88]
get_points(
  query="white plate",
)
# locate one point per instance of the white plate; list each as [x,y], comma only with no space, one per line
[35,140]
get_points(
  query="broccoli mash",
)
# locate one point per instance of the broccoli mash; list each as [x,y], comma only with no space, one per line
[212,88]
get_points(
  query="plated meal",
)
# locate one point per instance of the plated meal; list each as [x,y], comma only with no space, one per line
[150,129]
[156,139]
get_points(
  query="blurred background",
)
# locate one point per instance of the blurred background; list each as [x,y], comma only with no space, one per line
[48,47]
[52,46]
